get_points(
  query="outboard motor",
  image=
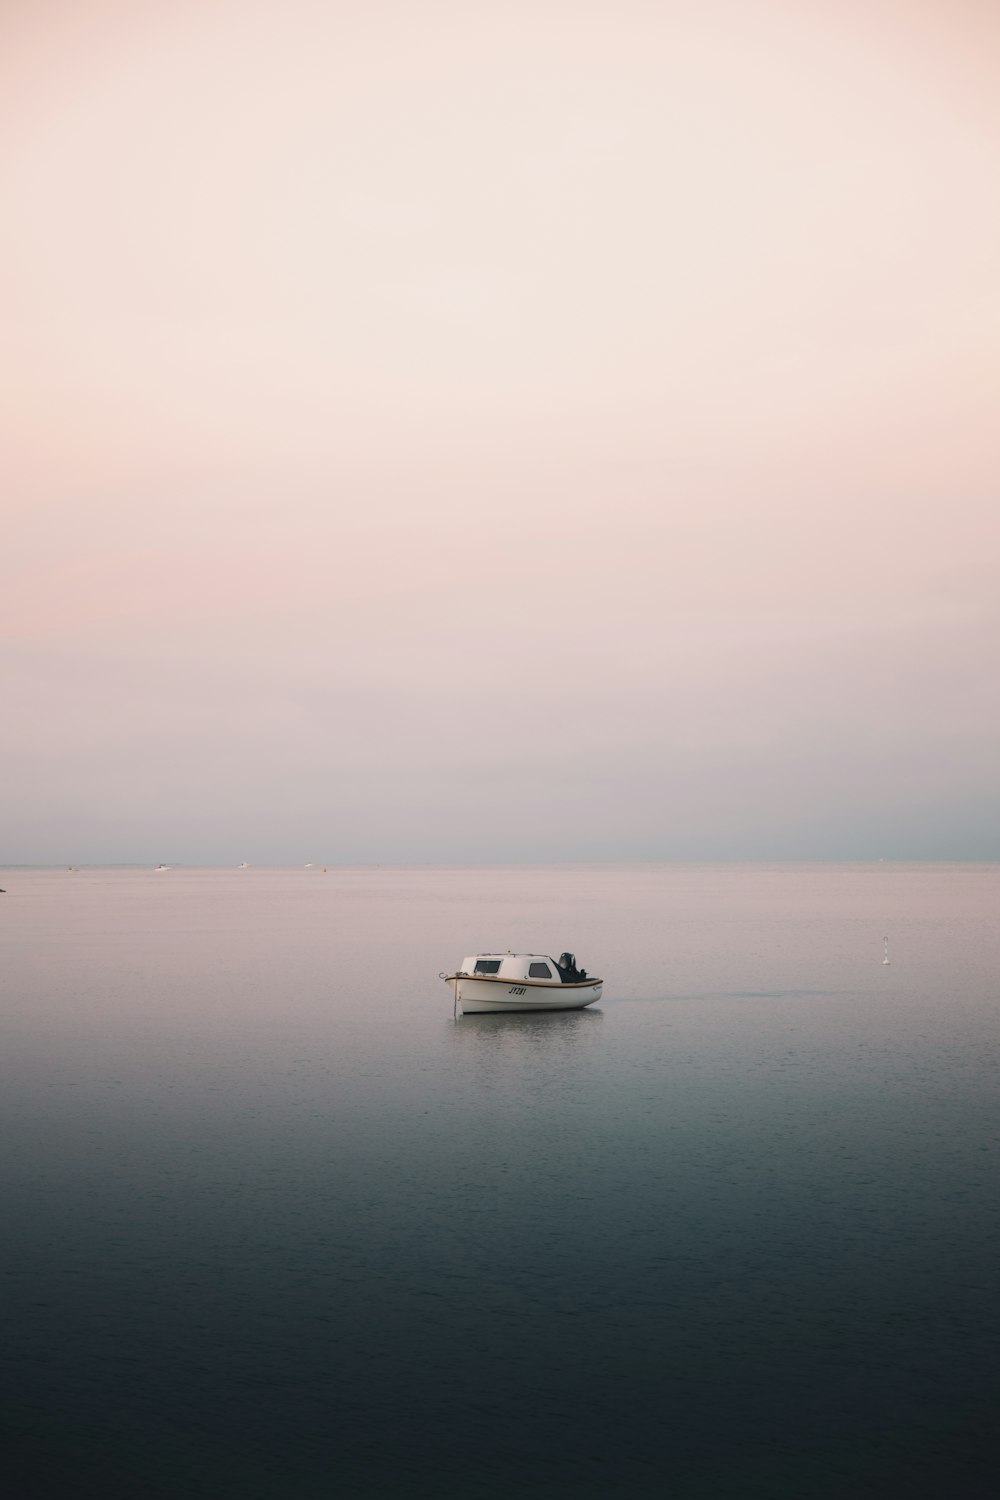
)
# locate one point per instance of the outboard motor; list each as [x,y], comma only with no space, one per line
[568,970]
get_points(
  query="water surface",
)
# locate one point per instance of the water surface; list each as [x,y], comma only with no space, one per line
[275,1225]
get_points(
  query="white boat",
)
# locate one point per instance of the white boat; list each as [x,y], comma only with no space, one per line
[521,981]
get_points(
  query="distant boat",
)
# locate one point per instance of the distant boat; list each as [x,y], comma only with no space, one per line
[521,981]
[308,865]
[162,867]
[243,866]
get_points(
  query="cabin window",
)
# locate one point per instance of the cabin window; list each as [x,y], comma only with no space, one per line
[487,966]
[539,971]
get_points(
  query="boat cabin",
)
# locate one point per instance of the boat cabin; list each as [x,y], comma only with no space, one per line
[517,967]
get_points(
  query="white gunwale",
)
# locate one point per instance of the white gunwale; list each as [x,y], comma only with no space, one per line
[541,984]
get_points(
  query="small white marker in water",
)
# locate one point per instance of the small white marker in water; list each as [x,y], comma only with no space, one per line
[885,950]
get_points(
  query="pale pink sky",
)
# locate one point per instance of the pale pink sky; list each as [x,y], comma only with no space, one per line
[499,430]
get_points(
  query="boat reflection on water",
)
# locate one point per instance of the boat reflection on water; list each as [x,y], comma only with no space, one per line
[525,1031]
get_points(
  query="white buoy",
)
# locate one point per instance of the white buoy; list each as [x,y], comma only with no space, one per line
[885,950]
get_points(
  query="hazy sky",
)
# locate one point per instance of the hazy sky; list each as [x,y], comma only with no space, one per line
[499,430]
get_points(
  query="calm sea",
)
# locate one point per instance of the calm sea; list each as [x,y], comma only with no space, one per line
[275,1226]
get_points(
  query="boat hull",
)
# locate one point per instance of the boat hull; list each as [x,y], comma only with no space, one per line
[479,996]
